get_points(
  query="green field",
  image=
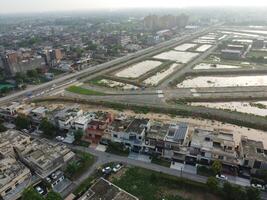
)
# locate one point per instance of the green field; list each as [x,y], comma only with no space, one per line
[150,185]
[83,91]
[8,86]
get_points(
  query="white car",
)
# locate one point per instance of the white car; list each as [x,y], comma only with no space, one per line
[222,177]
[117,168]
[107,170]
[39,190]
[259,186]
[60,138]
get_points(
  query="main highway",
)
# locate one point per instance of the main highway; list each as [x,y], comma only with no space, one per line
[42,89]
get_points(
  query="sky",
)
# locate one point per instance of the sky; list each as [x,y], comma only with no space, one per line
[23,6]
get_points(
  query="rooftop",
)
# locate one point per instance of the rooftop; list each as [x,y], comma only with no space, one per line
[253,149]
[137,125]
[177,133]
[158,130]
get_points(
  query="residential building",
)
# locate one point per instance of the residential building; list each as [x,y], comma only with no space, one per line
[12,174]
[252,154]
[175,141]
[65,118]
[154,140]
[97,126]
[133,135]
[208,145]
[81,122]
[44,157]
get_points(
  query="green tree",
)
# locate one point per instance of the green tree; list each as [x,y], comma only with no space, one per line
[31,193]
[49,130]
[53,196]
[22,122]
[32,73]
[2,128]
[216,167]
[78,135]
[72,168]
[253,193]
[213,184]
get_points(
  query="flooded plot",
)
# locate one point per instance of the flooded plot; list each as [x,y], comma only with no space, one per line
[238,34]
[185,46]
[215,66]
[221,38]
[115,84]
[256,31]
[154,80]
[138,69]
[224,81]
[244,41]
[203,48]
[180,57]
[256,108]
[202,41]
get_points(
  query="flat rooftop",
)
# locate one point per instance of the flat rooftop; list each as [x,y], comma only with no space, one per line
[253,149]
[158,130]
[137,126]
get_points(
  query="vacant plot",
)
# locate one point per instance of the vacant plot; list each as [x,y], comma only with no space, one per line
[185,46]
[116,84]
[154,80]
[83,91]
[150,185]
[203,48]
[256,108]
[215,66]
[180,57]
[138,69]
[224,81]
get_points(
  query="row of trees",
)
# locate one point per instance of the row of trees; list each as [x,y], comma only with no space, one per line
[48,129]
[229,191]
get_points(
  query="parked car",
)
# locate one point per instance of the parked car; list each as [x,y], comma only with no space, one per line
[117,167]
[222,177]
[60,138]
[39,190]
[107,170]
[258,186]
[48,179]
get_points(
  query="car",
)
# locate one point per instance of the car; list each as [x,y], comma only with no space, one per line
[222,177]
[53,176]
[107,170]
[258,186]
[117,167]
[60,138]
[39,190]
[48,179]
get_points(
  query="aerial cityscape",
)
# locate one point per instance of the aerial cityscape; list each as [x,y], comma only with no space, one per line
[116,100]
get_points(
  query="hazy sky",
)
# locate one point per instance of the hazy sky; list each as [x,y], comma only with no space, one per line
[17,6]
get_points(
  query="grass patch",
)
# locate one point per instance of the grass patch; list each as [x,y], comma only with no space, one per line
[161,161]
[205,171]
[83,91]
[150,185]
[81,143]
[77,167]
[87,183]
[117,148]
